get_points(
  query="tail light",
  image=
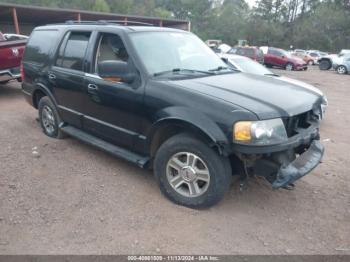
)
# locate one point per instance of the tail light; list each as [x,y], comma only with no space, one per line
[21,71]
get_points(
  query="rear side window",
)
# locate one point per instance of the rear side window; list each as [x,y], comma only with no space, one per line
[249,52]
[72,51]
[40,46]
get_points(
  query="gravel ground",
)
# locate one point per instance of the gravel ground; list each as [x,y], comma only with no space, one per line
[75,199]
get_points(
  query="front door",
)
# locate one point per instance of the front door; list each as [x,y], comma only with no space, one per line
[112,108]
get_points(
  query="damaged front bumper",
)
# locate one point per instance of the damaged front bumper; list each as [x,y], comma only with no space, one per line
[285,163]
[301,166]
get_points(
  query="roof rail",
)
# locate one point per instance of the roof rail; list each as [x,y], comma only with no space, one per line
[105,22]
[125,22]
[82,22]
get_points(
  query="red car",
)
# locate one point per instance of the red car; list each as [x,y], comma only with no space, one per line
[11,53]
[281,58]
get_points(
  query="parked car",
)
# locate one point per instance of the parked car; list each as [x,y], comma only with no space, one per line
[281,58]
[247,65]
[306,57]
[189,117]
[249,51]
[14,37]
[11,53]
[343,66]
[299,51]
[326,62]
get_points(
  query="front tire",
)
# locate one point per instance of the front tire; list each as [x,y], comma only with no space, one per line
[190,173]
[341,70]
[49,118]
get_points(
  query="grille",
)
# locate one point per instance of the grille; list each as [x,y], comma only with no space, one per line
[292,124]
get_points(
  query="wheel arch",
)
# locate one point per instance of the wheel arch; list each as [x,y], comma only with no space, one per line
[40,91]
[186,122]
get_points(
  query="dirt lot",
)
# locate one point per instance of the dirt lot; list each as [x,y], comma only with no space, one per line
[75,199]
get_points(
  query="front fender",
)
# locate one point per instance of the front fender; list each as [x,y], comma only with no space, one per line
[188,117]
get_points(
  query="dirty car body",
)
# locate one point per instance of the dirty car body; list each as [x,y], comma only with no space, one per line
[257,124]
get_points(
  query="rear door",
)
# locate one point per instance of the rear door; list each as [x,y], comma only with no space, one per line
[66,76]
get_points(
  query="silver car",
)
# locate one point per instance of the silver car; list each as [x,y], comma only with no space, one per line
[342,66]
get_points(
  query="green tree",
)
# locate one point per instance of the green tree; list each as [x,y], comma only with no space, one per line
[101,6]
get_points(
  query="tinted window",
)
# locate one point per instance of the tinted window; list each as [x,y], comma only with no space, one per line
[40,46]
[111,48]
[248,52]
[74,51]
[273,52]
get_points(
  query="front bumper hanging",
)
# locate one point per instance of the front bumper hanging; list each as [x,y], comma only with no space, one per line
[301,166]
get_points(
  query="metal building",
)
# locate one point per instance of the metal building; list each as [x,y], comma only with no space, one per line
[21,19]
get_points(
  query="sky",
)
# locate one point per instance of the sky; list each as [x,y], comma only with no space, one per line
[250,2]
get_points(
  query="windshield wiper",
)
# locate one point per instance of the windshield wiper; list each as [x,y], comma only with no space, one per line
[220,68]
[271,74]
[181,70]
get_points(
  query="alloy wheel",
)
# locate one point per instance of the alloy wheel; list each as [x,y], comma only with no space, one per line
[48,119]
[188,174]
[289,67]
[341,70]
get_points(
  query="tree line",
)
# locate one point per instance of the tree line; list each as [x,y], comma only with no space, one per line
[306,24]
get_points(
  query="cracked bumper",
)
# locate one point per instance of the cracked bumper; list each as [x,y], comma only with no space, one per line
[301,166]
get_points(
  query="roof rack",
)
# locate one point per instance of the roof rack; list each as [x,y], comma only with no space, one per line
[81,22]
[125,22]
[105,22]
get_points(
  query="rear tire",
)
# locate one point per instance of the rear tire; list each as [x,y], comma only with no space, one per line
[190,173]
[49,118]
[289,67]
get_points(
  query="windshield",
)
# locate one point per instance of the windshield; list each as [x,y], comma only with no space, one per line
[250,66]
[166,51]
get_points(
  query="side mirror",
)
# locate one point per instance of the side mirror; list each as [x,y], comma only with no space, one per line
[116,69]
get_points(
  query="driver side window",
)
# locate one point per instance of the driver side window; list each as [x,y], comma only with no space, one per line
[111,52]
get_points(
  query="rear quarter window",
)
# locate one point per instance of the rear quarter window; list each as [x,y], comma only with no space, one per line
[40,45]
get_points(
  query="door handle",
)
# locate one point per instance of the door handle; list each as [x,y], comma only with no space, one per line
[92,88]
[52,76]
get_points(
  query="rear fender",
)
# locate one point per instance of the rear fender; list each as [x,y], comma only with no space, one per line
[45,90]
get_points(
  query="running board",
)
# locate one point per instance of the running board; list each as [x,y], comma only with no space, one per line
[105,146]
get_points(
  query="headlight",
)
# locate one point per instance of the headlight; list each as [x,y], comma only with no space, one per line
[264,132]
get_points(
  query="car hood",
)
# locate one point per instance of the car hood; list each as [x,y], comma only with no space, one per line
[267,97]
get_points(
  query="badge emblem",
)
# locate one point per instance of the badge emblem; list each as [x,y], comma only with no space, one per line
[15,52]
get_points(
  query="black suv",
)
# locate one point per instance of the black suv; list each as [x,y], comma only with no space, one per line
[160,98]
